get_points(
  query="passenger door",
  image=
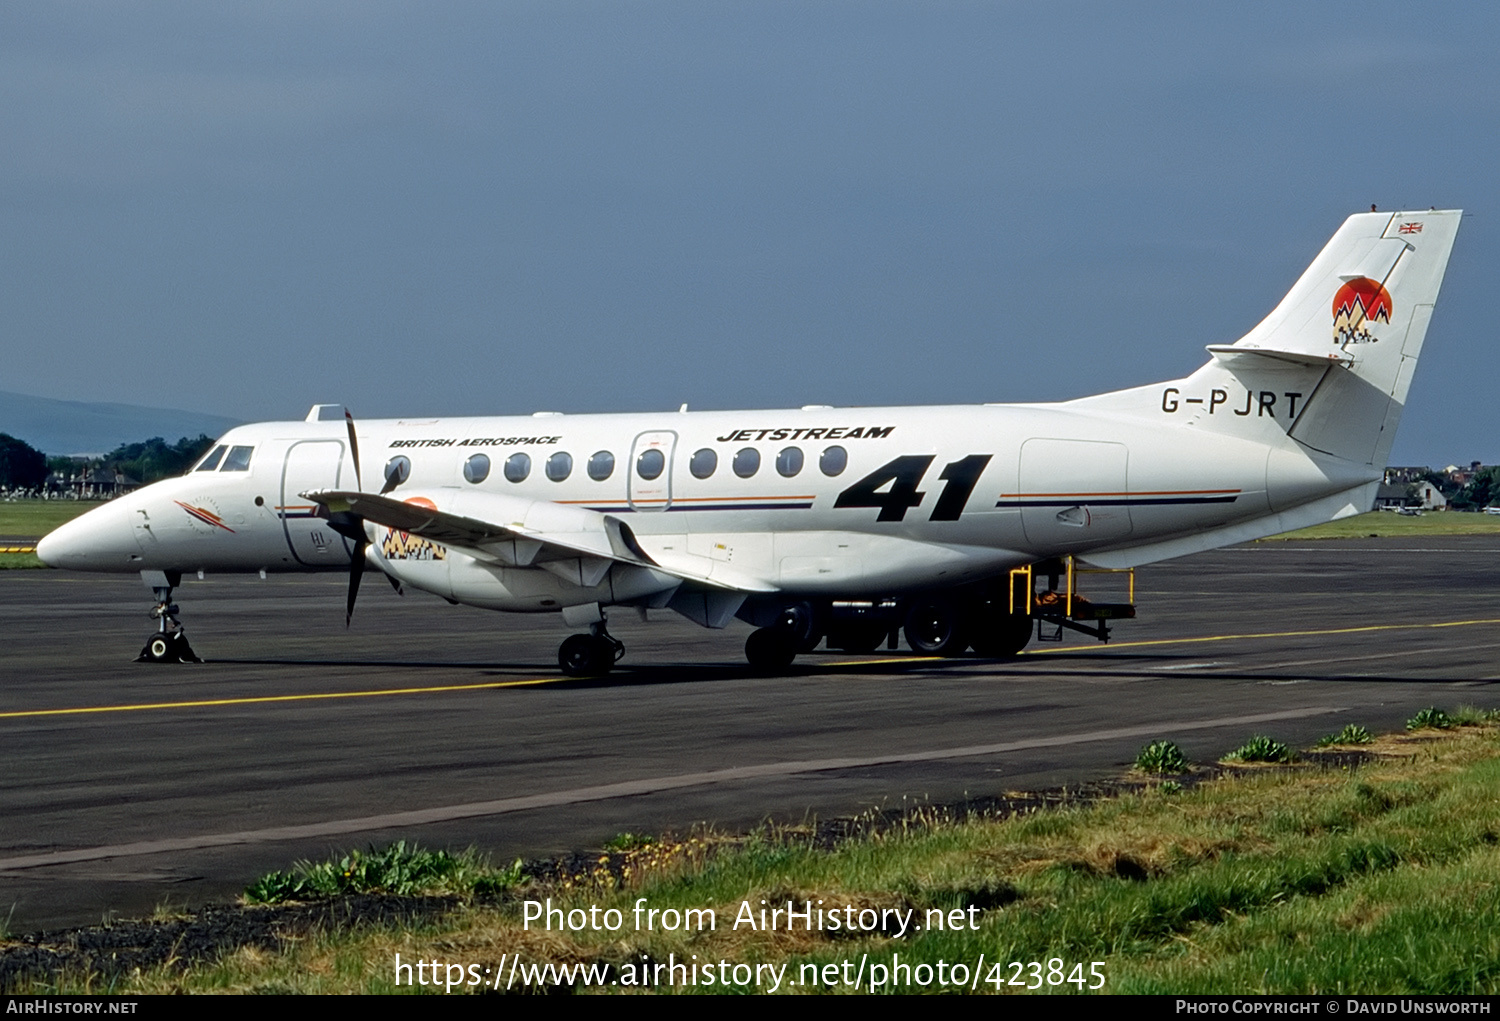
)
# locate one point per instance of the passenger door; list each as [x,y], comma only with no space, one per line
[650,471]
[309,465]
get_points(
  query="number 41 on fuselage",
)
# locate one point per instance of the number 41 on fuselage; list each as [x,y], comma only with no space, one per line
[842,524]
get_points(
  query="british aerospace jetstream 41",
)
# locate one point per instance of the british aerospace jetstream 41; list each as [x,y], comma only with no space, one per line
[844,524]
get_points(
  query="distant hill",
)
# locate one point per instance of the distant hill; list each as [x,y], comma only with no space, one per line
[81,427]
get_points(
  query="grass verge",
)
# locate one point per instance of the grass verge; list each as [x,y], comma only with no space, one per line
[35,518]
[1353,872]
[32,519]
[1386,523]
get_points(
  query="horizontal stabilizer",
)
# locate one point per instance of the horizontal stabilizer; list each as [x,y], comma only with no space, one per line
[1233,356]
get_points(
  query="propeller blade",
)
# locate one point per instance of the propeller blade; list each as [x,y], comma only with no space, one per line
[356,572]
[395,585]
[354,449]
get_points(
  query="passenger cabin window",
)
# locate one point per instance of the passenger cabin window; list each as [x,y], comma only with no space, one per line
[517,467]
[703,463]
[834,461]
[650,464]
[237,460]
[789,462]
[747,462]
[559,466]
[601,466]
[477,468]
[211,462]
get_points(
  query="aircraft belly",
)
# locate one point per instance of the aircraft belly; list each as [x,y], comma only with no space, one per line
[1173,519]
[811,574]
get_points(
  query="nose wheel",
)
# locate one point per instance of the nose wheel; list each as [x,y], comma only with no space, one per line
[169,644]
[590,655]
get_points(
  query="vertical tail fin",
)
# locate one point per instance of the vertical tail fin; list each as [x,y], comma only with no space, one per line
[1378,323]
[1350,330]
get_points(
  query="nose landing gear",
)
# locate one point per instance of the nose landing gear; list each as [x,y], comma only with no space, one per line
[169,644]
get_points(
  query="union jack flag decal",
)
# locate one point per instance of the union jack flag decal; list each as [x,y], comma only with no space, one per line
[1411,228]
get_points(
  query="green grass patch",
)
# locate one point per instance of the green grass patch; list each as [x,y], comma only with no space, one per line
[35,518]
[1473,716]
[628,841]
[1387,523]
[19,561]
[1352,733]
[398,870]
[1377,879]
[1261,748]
[1431,718]
[1161,757]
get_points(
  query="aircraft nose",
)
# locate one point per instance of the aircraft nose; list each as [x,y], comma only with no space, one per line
[101,540]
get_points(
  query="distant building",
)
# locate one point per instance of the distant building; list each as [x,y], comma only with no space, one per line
[1430,497]
[1421,495]
[90,484]
[1462,476]
[1402,475]
[1394,496]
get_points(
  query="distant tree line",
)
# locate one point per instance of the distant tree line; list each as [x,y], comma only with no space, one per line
[1478,493]
[22,466]
[155,459]
[1482,490]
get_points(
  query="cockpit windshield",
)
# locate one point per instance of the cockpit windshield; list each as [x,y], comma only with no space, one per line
[238,460]
[211,462]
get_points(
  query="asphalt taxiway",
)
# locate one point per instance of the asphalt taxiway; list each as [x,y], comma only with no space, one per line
[129,786]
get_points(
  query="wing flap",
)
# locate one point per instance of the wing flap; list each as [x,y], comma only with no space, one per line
[577,545]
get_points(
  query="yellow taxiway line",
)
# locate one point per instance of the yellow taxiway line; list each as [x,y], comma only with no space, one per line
[533,682]
[254,699]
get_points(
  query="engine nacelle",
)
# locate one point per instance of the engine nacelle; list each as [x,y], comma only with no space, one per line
[522,574]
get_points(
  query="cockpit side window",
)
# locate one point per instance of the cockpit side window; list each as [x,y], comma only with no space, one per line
[238,460]
[211,462]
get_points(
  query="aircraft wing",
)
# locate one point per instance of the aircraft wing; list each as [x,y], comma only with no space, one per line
[578,545]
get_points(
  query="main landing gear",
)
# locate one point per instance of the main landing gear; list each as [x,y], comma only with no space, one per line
[770,650]
[169,644]
[996,619]
[590,655]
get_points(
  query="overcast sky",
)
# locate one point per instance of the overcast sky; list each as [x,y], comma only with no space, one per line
[502,207]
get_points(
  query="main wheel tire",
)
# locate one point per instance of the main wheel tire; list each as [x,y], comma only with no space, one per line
[584,656]
[161,649]
[771,649]
[1000,635]
[608,654]
[857,636]
[936,628]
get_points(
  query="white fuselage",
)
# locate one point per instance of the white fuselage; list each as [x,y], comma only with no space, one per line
[967,493]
